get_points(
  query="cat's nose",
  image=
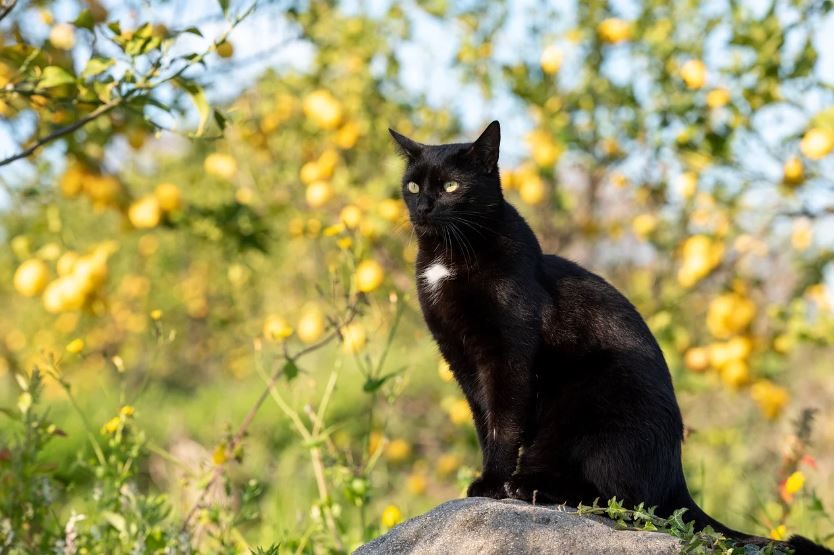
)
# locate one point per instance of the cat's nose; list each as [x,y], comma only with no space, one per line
[423,211]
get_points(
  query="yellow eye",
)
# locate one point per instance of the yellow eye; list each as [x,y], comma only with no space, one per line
[450,186]
[413,187]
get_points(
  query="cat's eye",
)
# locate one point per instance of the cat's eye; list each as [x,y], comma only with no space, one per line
[413,187]
[451,186]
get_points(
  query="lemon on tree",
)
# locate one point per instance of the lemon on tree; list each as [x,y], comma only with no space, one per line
[551,59]
[168,196]
[318,194]
[614,30]
[145,212]
[694,74]
[310,326]
[353,337]
[31,277]
[323,109]
[220,165]
[368,275]
[793,171]
[817,143]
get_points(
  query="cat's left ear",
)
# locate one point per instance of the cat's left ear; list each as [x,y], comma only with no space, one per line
[408,148]
[485,148]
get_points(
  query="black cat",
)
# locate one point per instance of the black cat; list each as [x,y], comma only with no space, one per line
[571,395]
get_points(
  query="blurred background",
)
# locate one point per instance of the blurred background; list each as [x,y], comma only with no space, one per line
[210,338]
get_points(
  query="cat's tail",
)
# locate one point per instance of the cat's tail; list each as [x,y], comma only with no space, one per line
[799,544]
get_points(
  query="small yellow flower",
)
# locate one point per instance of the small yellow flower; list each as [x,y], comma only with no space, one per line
[127,410]
[447,464]
[770,397]
[156,314]
[391,516]
[111,426]
[779,533]
[218,456]
[75,346]
[351,216]
[353,338]
[795,482]
[276,328]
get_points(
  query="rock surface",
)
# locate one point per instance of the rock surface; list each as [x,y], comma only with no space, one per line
[480,526]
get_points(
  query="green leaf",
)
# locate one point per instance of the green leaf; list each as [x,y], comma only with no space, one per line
[85,20]
[220,119]
[373,384]
[198,95]
[290,369]
[97,66]
[117,521]
[193,31]
[224,5]
[54,76]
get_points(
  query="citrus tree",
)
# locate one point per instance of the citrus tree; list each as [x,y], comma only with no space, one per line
[218,296]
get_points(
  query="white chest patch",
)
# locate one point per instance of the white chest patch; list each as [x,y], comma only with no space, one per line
[435,274]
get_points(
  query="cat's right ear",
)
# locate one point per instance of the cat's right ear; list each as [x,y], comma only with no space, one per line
[408,148]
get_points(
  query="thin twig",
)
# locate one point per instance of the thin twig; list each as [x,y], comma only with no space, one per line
[58,133]
[6,8]
[236,440]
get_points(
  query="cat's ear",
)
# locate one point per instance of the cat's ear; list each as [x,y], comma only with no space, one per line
[407,147]
[485,148]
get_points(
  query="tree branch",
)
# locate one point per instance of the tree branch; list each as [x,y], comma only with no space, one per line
[58,133]
[5,9]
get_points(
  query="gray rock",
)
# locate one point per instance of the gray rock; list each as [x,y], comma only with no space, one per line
[480,526]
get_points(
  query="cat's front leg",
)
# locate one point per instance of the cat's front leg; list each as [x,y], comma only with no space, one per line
[506,399]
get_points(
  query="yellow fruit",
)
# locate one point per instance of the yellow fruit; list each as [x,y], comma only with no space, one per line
[90,271]
[817,143]
[729,314]
[542,148]
[276,328]
[770,397]
[532,189]
[697,359]
[103,190]
[389,209]
[739,347]
[694,74]
[72,182]
[391,516]
[687,184]
[618,180]
[700,255]
[351,216]
[368,276]
[444,371]
[318,194]
[144,213]
[323,109]
[793,171]
[310,326]
[136,138]
[225,49]
[779,533]
[398,451]
[735,374]
[644,224]
[62,36]
[64,294]
[353,338]
[168,196]
[613,30]
[551,59]
[31,277]
[220,165]
[66,263]
[718,98]
[347,135]
[802,234]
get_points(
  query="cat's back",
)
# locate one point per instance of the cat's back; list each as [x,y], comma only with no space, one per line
[591,307]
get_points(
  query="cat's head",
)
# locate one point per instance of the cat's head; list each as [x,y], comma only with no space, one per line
[453,185]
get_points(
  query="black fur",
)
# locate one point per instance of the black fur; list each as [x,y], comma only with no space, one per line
[571,395]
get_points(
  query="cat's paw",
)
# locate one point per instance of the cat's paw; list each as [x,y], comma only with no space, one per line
[486,486]
[525,488]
